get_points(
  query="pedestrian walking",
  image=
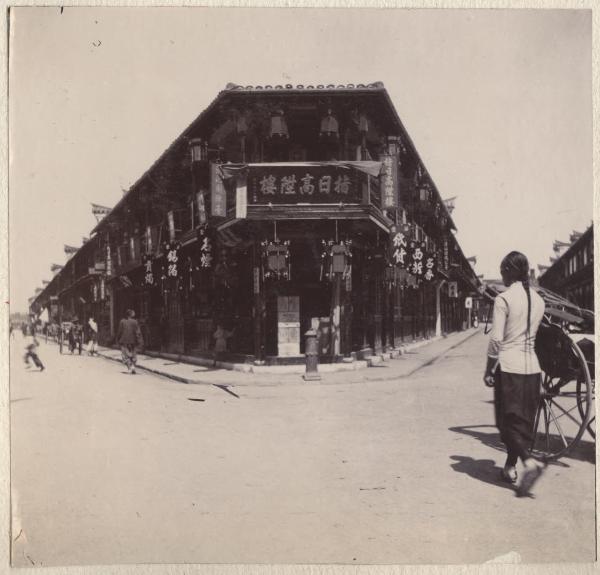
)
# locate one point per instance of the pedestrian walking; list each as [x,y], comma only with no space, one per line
[92,336]
[31,353]
[129,337]
[71,335]
[513,368]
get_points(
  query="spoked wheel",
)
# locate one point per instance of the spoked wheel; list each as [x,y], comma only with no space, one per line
[591,426]
[566,406]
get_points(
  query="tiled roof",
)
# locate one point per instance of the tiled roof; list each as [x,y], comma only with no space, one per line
[289,87]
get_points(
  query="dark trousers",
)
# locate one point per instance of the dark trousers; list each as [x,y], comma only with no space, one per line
[516,398]
[34,356]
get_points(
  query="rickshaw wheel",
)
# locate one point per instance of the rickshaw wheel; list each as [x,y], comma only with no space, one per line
[591,426]
[565,408]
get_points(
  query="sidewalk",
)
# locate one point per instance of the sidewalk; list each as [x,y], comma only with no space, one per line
[414,357]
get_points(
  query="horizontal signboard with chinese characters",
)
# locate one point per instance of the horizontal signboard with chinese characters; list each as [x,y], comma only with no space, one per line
[304,184]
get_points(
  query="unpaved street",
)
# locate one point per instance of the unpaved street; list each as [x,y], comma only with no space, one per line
[113,468]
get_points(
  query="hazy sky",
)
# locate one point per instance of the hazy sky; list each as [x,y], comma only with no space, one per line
[498,104]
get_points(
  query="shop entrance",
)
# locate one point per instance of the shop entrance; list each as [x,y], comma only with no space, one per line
[297,305]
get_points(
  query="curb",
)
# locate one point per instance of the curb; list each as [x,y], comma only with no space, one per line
[372,361]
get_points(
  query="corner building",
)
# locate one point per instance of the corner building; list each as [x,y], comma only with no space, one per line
[279,209]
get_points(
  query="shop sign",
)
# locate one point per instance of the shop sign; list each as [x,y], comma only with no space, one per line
[171,220]
[172,260]
[312,184]
[256,280]
[399,240]
[416,259]
[389,177]
[217,192]
[453,289]
[206,249]
[201,207]
[241,198]
[149,279]
[446,255]
[468,303]
[430,267]
[108,261]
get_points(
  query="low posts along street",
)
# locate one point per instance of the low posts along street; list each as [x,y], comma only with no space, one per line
[312,356]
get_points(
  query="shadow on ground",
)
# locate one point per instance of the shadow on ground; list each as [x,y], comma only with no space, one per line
[484,470]
[585,450]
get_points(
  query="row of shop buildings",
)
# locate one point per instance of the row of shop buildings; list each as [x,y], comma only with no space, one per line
[279,209]
[571,270]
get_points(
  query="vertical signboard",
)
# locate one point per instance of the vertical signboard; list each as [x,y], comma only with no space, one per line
[201,207]
[241,197]
[217,192]
[389,180]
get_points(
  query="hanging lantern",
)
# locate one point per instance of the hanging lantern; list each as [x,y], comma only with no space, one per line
[199,149]
[279,129]
[276,260]
[241,126]
[329,127]
[336,259]
[363,124]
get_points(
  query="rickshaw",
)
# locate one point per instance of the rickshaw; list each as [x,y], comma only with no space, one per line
[565,349]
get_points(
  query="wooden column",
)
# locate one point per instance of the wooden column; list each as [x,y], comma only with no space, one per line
[336,313]
[378,296]
[259,308]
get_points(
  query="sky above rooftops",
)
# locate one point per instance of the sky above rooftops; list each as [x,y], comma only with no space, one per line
[497,103]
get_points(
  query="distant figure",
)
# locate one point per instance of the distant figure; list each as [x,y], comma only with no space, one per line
[93,336]
[30,352]
[129,337]
[513,369]
[71,335]
[221,336]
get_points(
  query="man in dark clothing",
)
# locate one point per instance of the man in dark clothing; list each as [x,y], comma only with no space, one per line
[31,352]
[129,337]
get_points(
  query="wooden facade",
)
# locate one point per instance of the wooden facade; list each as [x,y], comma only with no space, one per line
[271,214]
[572,273]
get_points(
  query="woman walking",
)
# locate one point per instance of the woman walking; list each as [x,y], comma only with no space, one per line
[513,368]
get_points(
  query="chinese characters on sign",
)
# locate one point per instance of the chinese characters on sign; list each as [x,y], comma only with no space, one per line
[399,248]
[308,184]
[429,273]
[149,279]
[411,256]
[206,249]
[389,177]
[217,191]
[172,260]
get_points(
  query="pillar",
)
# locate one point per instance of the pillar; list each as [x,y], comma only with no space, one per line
[438,308]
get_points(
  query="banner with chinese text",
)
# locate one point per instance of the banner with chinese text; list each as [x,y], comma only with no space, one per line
[389,179]
[217,192]
[305,184]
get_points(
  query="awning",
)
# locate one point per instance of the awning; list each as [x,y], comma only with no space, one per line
[368,167]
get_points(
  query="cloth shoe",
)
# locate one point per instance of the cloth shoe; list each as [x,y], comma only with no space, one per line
[509,475]
[533,471]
